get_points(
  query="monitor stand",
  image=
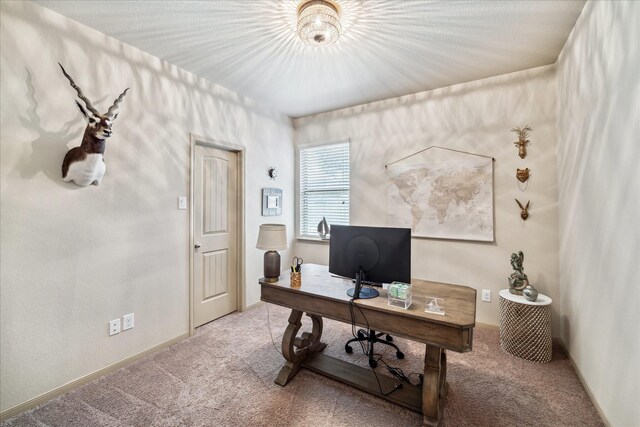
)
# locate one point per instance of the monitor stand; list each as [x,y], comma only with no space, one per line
[358,292]
[364,293]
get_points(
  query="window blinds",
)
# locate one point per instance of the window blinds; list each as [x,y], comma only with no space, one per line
[324,186]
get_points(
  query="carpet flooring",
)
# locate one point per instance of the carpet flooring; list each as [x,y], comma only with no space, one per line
[223,376]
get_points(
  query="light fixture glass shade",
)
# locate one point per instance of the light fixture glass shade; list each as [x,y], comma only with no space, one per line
[272,237]
[318,23]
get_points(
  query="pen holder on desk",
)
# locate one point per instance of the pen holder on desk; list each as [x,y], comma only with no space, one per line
[296,279]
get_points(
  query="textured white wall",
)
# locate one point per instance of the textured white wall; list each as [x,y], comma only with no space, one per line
[74,258]
[598,157]
[475,117]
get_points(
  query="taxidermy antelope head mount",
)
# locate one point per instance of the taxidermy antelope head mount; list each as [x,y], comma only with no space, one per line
[524,211]
[522,141]
[85,165]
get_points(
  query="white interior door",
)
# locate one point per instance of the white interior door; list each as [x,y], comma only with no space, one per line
[215,278]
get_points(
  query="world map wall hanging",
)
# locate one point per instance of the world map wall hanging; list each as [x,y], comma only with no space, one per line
[447,198]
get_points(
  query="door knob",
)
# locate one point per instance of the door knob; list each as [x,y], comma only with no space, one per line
[197,245]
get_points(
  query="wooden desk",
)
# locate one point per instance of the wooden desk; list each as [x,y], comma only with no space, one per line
[322,295]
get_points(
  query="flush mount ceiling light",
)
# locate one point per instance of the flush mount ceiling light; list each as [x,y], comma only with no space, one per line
[318,22]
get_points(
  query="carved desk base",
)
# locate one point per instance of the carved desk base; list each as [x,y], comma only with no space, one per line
[304,351]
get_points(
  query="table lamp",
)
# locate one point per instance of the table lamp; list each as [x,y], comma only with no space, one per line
[272,238]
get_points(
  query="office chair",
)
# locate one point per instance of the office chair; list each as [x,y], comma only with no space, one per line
[373,338]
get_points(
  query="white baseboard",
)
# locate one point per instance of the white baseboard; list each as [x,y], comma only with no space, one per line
[604,419]
[487,325]
[255,304]
[38,400]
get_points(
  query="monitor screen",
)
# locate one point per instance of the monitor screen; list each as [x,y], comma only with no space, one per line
[383,253]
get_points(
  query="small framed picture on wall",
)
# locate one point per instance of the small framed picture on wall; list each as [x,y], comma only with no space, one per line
[271,201]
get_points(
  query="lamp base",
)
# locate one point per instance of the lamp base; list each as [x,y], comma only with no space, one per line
[271,266]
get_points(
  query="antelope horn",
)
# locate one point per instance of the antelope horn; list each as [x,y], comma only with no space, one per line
[114,107]
[527,207]
[519,204]
[80,94]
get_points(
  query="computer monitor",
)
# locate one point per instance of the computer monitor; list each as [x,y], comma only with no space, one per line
[371,254]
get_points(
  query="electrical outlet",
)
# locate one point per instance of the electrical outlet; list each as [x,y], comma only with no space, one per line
[486,295]
[127,321]
[114,327]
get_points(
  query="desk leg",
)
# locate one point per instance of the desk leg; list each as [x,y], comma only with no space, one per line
[296,349]
[434,386]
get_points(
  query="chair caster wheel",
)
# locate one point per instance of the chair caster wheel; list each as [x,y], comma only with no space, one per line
[361,335]
[389,338]
[373,364]
[400,355]
[348,349]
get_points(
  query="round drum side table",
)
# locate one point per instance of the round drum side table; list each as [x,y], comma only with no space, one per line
[525,326]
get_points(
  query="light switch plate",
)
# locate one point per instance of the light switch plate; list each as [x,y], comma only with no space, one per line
[486,295]
[182,202]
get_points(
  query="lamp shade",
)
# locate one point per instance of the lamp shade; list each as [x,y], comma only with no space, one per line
[272,237]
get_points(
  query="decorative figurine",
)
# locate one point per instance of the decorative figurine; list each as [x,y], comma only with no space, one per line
[522,174]
[85,165]
[517,280]
[522,140]
[323,228]
[524,211]
[530,293]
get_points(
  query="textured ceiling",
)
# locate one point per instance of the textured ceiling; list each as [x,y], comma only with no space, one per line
[388,48]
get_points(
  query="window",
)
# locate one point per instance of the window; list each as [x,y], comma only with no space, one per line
[324,187]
